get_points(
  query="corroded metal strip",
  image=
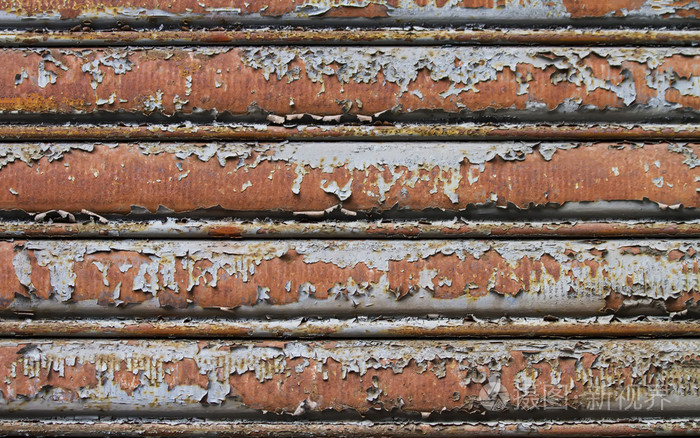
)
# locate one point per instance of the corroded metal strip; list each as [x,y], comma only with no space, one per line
[274,35]
[359,327]
[325,83]
[171,228]
[238,428]
[289,278]
[101,13]
[386,131]
[550,379]
[363,177]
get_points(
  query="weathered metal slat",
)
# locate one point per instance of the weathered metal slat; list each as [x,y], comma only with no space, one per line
[345,279]
[662,426]
[88,227]
[537,83]
[358,327]
[344,36]
[101,13]
[378,130]
[384,379]
[362,177]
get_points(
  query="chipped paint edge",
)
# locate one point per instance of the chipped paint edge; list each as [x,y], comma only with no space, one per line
[172,228]
[394,36]
[200,427]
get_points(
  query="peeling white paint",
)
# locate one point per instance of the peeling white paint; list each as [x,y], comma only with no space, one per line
[670,362]
[581,280]
[466,67]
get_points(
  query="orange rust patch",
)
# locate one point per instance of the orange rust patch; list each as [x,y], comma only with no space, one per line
[477,4]
[40,103]
[128,381]
[596,8]
[184,372]
[372,10]
[614,301]
[687,299]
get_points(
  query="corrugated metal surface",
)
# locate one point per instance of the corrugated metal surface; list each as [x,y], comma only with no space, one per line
[351,277]
[288,82]
[363,177]
[453,218]
[468,378]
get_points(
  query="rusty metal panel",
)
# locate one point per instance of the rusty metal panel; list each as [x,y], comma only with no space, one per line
[362,177]
[539,379]
[406,178]
[348,278]
[101,13]
[328,82]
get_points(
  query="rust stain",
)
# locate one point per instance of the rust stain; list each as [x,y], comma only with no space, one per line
[34,102]
[580,9]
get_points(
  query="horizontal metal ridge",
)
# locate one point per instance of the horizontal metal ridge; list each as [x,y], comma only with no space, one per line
[388,380]
[27,325]
[237,428]
[348,131]
[329,84]
[345,36]
[88,227]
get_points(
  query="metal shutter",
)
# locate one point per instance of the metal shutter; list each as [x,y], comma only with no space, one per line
[349,217]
